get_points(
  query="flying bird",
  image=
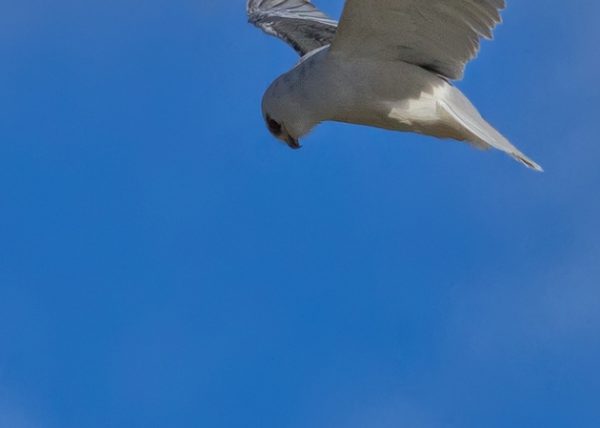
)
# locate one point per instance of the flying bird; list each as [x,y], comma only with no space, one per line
[387,64]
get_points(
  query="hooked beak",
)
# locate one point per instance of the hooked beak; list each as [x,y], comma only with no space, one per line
[292,143]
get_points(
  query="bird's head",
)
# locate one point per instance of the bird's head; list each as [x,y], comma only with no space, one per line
[279,131]
[286,116]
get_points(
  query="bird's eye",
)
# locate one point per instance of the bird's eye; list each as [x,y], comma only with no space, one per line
[274,126]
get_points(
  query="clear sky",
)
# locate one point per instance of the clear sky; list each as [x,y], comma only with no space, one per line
[165,263]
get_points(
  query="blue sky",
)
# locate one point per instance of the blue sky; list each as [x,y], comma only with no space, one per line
[165,263]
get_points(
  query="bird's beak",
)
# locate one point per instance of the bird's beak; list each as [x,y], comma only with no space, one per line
[292,143]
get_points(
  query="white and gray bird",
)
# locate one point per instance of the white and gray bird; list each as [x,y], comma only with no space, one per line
[388,64]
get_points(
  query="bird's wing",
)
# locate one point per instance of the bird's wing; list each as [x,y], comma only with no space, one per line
[298,22]
[439,35]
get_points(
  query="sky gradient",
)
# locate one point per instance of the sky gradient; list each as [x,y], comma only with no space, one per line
[165,263]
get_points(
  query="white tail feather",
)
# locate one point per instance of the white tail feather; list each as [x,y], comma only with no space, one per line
[483,134]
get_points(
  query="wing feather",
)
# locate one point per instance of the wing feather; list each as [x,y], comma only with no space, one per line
[439,35]
[297,22]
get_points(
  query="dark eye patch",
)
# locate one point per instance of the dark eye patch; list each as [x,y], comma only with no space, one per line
[274,126]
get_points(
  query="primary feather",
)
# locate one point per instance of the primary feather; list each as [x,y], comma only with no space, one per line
[297,22]
[438,35]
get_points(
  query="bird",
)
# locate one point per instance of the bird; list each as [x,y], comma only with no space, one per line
[388,64]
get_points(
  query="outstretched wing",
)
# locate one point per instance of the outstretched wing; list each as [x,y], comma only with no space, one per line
[297,22]
[439,35]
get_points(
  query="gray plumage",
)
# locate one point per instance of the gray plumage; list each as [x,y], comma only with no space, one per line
[388,65]
[298,22]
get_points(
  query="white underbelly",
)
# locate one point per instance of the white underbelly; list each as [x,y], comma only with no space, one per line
[424,109]
[425,114]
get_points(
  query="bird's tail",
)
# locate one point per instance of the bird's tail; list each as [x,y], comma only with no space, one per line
[482,134]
